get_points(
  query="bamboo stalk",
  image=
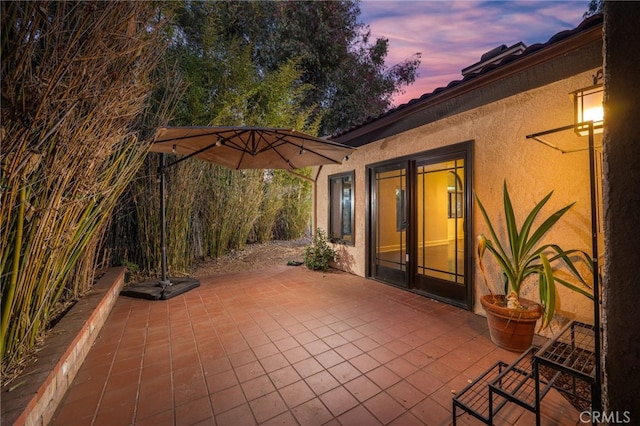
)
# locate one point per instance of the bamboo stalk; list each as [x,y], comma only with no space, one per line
[75,85]
[8,294]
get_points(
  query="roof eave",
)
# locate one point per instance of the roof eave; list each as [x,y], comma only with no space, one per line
[501,71]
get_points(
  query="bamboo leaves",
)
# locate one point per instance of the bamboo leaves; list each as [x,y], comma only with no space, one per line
[73,94]
[211,209]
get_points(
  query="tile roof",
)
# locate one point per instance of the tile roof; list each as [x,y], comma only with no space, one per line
[563,35]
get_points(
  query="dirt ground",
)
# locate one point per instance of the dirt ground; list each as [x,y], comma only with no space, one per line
[253,256]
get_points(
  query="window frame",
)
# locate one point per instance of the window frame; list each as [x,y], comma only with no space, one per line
[338,236]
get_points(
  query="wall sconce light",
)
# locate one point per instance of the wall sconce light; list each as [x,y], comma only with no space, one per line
[587,106]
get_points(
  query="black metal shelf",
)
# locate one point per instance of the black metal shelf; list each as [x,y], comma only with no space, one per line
[572,352]
[520,382]
[474,398]
[501,383]
[517,383]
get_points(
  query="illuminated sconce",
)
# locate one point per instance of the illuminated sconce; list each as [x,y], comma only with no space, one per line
[587,106]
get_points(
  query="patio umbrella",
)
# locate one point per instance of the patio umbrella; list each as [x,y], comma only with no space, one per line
[236,148]
[250,147]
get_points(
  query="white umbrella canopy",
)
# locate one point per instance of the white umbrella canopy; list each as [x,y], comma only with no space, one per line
[250,147]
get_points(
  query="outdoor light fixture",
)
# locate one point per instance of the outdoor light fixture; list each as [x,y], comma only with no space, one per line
[587,106]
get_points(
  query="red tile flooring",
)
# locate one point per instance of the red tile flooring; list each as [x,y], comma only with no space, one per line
[287,346]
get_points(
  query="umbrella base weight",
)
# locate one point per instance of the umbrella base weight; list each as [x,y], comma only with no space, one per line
[155,290]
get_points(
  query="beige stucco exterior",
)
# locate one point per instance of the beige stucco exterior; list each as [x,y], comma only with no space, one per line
[501,150]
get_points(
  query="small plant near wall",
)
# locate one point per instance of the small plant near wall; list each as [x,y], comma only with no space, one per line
[132,270]
[320,252]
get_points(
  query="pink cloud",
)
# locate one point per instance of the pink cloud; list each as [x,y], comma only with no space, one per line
[453,35]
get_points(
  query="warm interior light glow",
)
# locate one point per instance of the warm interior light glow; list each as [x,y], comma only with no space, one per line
[594,114]
[588,107]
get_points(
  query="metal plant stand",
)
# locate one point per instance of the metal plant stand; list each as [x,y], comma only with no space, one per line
[518,383]
[571,352]
[522,383]
[574,352]
[474,398]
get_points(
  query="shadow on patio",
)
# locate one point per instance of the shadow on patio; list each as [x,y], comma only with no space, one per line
[288,346]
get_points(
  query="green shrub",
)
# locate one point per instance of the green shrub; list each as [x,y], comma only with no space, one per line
[319,253]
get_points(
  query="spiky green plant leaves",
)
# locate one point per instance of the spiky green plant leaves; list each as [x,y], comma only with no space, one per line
[523,255]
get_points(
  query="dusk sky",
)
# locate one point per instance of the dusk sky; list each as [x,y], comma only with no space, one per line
[452,35]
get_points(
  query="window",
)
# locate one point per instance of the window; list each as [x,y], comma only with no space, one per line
[341,202]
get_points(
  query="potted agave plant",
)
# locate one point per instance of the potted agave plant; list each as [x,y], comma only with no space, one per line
[523,258]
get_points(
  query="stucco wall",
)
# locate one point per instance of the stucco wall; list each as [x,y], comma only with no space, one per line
[621,286]
[501,150]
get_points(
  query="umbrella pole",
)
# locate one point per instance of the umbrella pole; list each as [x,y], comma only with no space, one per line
[163,288]
[164,281]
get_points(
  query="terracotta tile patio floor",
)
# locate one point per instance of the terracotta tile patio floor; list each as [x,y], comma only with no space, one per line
[288,346]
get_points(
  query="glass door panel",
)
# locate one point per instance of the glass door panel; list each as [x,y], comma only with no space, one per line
[390,223]
[440,238]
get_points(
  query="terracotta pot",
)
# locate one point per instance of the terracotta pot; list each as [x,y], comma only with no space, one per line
[511,329]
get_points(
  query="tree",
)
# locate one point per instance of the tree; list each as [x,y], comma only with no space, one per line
[304,65]
[595,7]
[336,54]
[213,209]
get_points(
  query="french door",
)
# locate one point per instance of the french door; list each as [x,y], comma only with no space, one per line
[420,225]
[390,224]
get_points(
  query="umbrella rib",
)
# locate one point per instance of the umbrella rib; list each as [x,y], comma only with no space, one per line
[193,154]
[274,148]
[229,142]
[300,146]
[181,138]
[246,147]
[311,138]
